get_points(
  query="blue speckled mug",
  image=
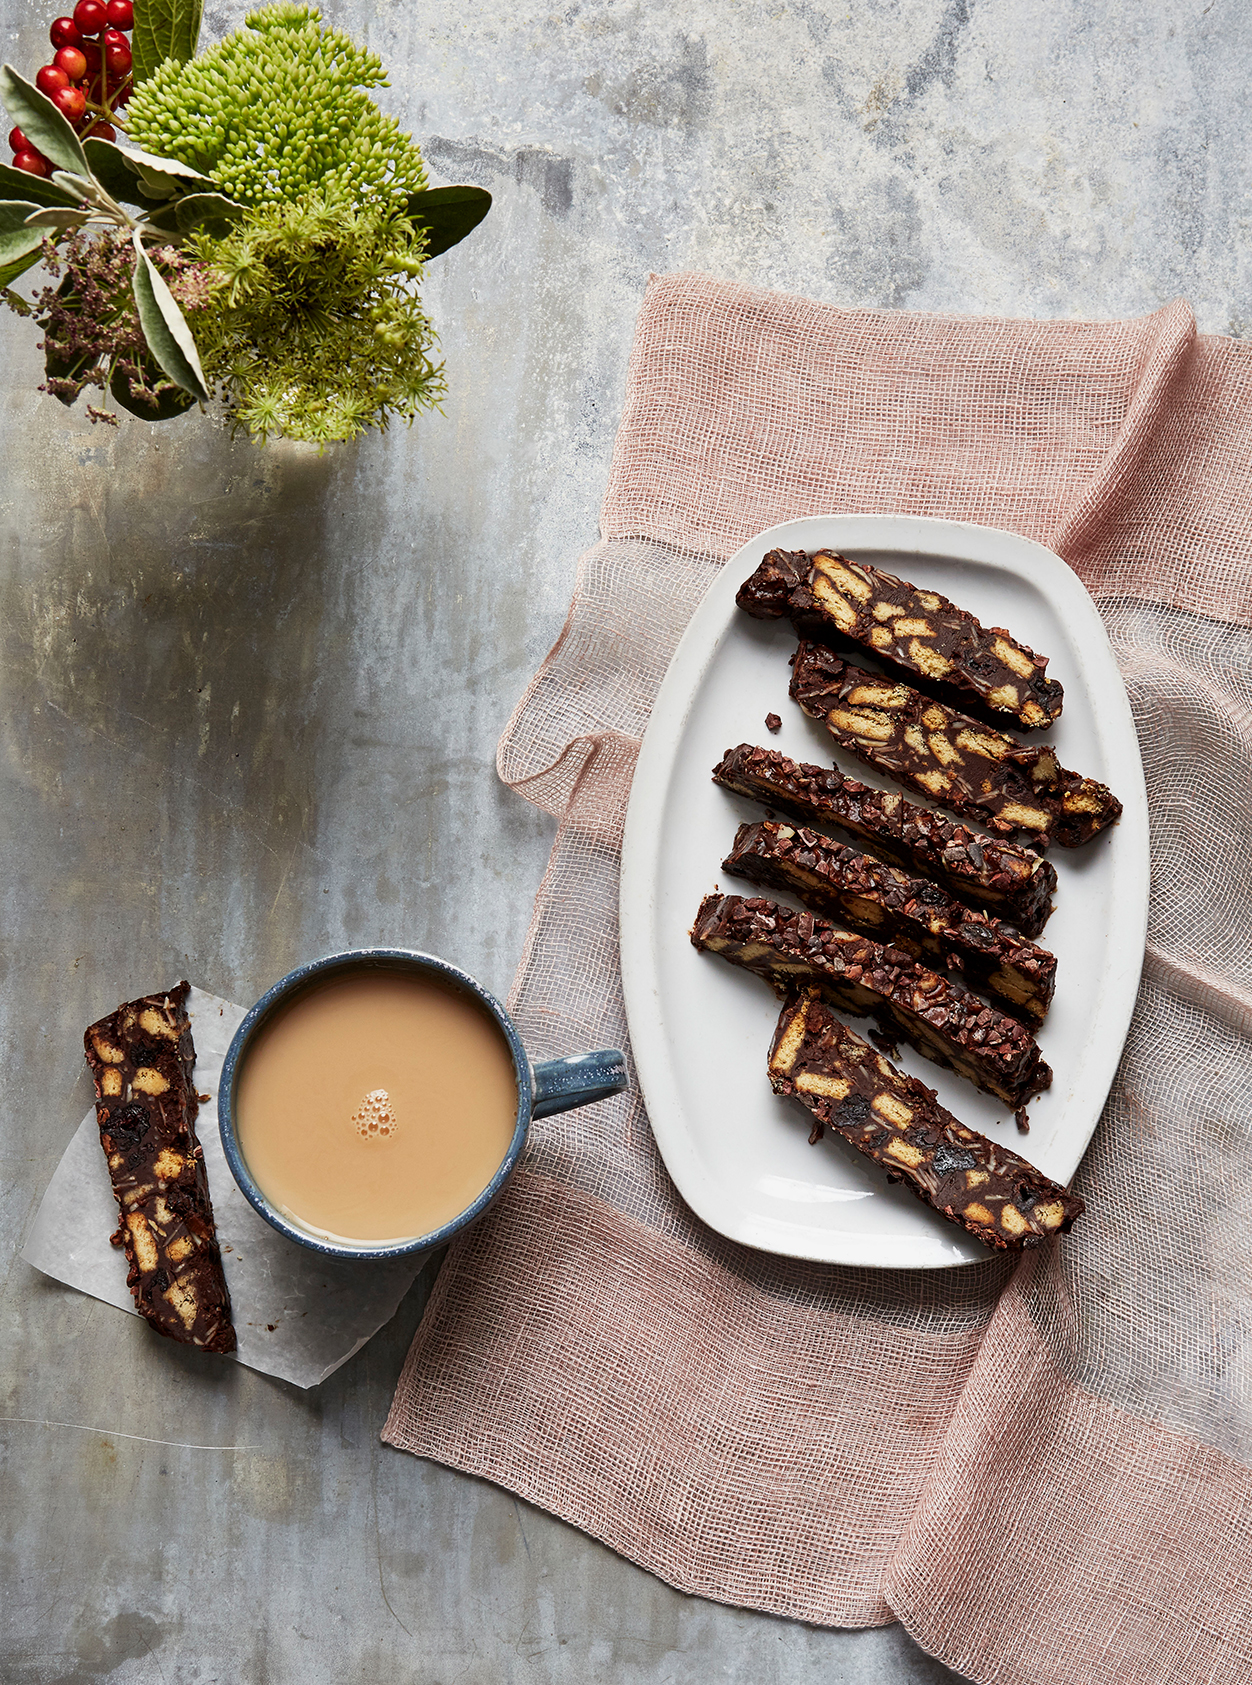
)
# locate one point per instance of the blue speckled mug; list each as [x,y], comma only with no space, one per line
[555,1085]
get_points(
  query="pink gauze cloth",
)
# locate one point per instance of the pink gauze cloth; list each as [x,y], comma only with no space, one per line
[1040,1467]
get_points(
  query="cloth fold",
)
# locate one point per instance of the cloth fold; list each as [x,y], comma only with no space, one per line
[1042,1469]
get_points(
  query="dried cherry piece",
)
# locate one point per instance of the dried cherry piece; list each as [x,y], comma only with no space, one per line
[852,1112]
[128,1125]
[948,1158]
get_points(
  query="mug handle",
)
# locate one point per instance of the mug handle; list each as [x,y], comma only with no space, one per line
[561,1084]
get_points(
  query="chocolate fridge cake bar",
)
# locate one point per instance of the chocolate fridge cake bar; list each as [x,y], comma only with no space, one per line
[1011,882]
[967,767]
[913,632]
[794,950]
[897,1121]
[908,912]
[142,1058]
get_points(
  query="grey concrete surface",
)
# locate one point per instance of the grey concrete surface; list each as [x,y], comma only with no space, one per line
[249,701]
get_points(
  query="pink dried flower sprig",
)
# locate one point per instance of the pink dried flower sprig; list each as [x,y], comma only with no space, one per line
[91,326]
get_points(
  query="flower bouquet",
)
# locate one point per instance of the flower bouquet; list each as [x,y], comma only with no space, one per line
[258,231]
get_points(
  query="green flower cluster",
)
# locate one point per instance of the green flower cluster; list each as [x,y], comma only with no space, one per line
[277,110]
[317,330]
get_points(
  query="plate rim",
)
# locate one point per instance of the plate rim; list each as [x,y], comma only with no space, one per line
[711,622]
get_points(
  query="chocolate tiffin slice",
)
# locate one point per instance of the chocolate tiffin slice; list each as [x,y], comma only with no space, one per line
[911,913]
[971,769]
[1005,880]
[142,1058]
[916,634]
[898,1123]
[869,979]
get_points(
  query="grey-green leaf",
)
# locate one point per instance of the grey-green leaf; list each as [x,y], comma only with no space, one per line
[211,211]
[41,122]
[447,214]
[162,178]
[165,328]
[13,214]
[17,244]
[10,272]
[55,216]
[115,174]
[38,188]
[158,187]
[82,187]
[14,246]
[138,159]
[164,29]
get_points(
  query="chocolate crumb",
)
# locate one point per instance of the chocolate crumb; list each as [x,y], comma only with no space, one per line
[1021,1120]
[773,723]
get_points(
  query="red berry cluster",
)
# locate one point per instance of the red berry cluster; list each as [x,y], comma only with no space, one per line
[88,78]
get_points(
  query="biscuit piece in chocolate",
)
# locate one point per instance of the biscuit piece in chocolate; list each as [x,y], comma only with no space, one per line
[794,950]
[897,1121]
[1011,882]
[963,765]
[142,1058]
[915,633]
[911,913]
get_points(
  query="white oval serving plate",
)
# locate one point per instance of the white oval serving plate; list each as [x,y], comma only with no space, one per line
[700,1028]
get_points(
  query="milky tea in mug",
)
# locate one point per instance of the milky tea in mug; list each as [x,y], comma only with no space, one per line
[376,1106]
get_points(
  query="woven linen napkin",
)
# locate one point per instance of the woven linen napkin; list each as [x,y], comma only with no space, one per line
[1040,1466]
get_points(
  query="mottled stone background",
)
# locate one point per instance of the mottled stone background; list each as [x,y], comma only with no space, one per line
[250,700]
